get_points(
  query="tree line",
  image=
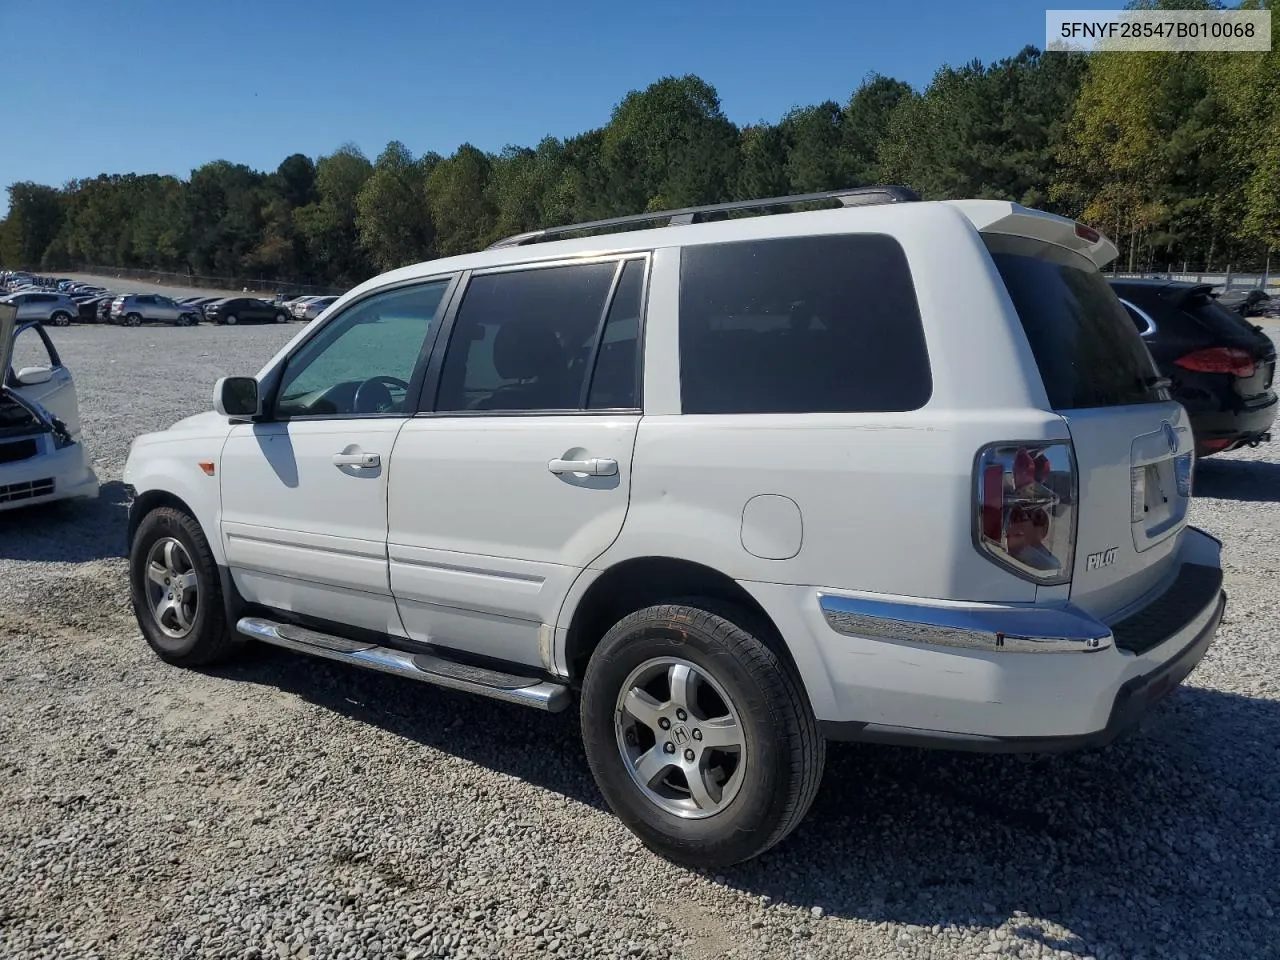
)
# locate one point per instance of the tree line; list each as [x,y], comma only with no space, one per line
[1175,156]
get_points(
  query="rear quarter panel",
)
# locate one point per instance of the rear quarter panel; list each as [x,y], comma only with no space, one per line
[885,499]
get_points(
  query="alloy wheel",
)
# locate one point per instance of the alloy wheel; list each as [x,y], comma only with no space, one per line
[173,593]
[680,737]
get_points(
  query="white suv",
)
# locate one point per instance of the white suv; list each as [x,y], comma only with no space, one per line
[899,471]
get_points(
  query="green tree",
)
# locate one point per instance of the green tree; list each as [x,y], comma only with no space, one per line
[762,168]
[813,137]
[35,218]
[865,124]
[667,146]
[459,197]
[392,215]
[328,226]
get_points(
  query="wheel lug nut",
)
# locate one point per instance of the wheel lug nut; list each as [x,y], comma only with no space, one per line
[681,715]
[697,734]
[664,723]
[669,747]
[166,581]
[688,755]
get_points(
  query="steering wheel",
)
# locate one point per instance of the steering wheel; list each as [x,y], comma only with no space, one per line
[374,395]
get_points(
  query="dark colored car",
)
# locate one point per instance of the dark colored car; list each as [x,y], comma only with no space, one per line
[1221,366]
[89,308]
[245,310]
[1247,303]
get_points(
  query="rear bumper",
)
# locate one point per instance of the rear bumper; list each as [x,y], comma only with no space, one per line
[997,677]
[1131,702]
[1222,430]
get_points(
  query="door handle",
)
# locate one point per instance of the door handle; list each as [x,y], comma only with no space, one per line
[366,461]
[595,467]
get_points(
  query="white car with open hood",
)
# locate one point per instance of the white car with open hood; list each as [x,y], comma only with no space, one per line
[892,471]
[42,457]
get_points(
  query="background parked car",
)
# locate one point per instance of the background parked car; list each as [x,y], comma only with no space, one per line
[55,309]
[245,310]
[313,308]
[1247,303]
[88,308]
[1221,366]
[138,308]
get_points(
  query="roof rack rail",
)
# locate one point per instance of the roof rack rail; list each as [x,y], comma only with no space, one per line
[850,197]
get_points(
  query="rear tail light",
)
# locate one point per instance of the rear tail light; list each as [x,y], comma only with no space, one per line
[1219,360]
[1025,517]
[1087,233]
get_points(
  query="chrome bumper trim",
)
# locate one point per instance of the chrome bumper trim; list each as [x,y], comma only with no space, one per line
[988,628]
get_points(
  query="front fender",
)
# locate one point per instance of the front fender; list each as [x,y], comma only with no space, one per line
[167,471]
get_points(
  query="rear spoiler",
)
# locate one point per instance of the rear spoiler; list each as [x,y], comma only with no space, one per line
[1005,217]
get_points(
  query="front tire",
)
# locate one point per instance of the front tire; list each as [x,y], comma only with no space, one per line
[230,320]
[699,735]
[184,320]
[61,319]
[177,596]
[282,318]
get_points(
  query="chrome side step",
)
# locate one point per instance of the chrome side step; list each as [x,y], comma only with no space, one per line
[530,691]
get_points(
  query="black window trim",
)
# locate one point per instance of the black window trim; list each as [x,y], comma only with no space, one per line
[43,334]
[431,387]
[271,382]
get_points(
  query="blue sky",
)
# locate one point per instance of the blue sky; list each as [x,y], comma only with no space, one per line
[161,87]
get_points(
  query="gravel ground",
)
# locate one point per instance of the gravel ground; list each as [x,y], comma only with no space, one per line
[283,807]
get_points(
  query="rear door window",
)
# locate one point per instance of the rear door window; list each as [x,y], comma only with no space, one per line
[825,324]
[1086,345]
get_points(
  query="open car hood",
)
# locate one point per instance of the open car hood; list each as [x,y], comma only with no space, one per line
[8,323]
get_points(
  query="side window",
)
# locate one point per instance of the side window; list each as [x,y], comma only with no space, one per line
[360,363]
[524,340]
[614,382]
[825,324]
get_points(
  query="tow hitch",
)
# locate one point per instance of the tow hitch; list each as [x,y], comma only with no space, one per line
[1260,439]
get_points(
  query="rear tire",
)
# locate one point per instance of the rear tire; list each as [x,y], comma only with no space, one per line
[60,319]
[133,320]
[659,660]
[229,320]
[177,596]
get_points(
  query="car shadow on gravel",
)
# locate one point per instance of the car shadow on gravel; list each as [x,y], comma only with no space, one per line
[541,748]
[1255,481]
[1164,838]
[68,531]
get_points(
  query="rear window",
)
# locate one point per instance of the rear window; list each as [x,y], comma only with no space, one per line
[1226,323]
[823,324]
[1085,344]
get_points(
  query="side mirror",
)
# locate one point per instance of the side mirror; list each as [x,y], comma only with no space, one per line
[236,397]
[30,376]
